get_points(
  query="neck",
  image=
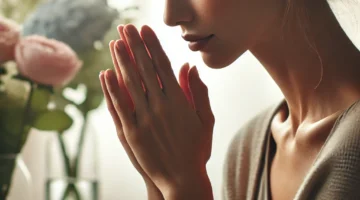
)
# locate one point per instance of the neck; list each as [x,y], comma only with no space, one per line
[317,74]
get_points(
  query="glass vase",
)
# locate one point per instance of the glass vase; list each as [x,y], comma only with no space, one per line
[71,164]
[15,178]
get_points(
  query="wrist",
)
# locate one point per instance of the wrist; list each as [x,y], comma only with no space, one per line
[191,188]
[153,192]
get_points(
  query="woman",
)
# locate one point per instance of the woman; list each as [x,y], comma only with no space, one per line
[305,147]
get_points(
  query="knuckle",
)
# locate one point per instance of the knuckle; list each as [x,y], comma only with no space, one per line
[116,103]
[133,136]
[145,122]
[127,81]
[159,109]
[121,137]
[134,139]
[112,91]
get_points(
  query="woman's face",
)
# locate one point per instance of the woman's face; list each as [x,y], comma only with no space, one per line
[230,27]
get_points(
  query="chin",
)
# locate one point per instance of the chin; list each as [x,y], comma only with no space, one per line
[219,60]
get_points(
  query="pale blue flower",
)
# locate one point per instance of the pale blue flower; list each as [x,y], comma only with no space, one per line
[78,23]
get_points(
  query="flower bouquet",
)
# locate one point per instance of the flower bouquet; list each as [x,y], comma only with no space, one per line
[26,86]
[42,62]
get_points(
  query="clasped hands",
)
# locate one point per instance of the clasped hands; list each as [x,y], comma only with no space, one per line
[164,126]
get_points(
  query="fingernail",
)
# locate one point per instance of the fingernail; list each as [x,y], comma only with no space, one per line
[101,72]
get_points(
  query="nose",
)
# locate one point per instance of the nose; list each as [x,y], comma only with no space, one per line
[177,12]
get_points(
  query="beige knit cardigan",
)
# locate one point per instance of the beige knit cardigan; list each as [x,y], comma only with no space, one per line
[334,175]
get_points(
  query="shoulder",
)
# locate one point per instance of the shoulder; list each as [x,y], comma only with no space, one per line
[336,172]
[345,136]
[344,142]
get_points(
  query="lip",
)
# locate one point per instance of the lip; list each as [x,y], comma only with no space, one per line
[196,42]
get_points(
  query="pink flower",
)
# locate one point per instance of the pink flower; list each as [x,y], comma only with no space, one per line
[46,61]
[9,36]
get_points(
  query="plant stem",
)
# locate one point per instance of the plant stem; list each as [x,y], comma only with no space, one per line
[11,166]
[69,188]
[69,172]
[65,156]
[7,166]
[25,116]
[80,144]
[74,171]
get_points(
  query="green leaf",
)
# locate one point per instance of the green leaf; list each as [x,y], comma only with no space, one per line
[95,101]
[54,120]
[40,99]
[60,101]
[92,101]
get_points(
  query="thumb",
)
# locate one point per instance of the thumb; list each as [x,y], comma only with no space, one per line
[200,96]
[184,82]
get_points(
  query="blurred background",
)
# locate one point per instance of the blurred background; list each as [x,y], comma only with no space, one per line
[233,103]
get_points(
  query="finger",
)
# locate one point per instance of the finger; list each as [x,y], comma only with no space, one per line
[143,62]
[130,78]
[113,57]
[120,29]
[184,82]
[117,92]
[109,103]
[120,131]
[122,35]
[160,60]
[118,125]
[118,72]
[199,93]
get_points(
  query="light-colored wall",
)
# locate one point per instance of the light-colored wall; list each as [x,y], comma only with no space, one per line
[237,93]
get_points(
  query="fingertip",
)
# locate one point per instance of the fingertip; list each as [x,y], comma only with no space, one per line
[102,81]
[111,45]
[196,71]
[120,28]
[119,45]
[130,29]
[109,74]
[193,73]
[187,66]
[193,70]
[184,70]
[145,29]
